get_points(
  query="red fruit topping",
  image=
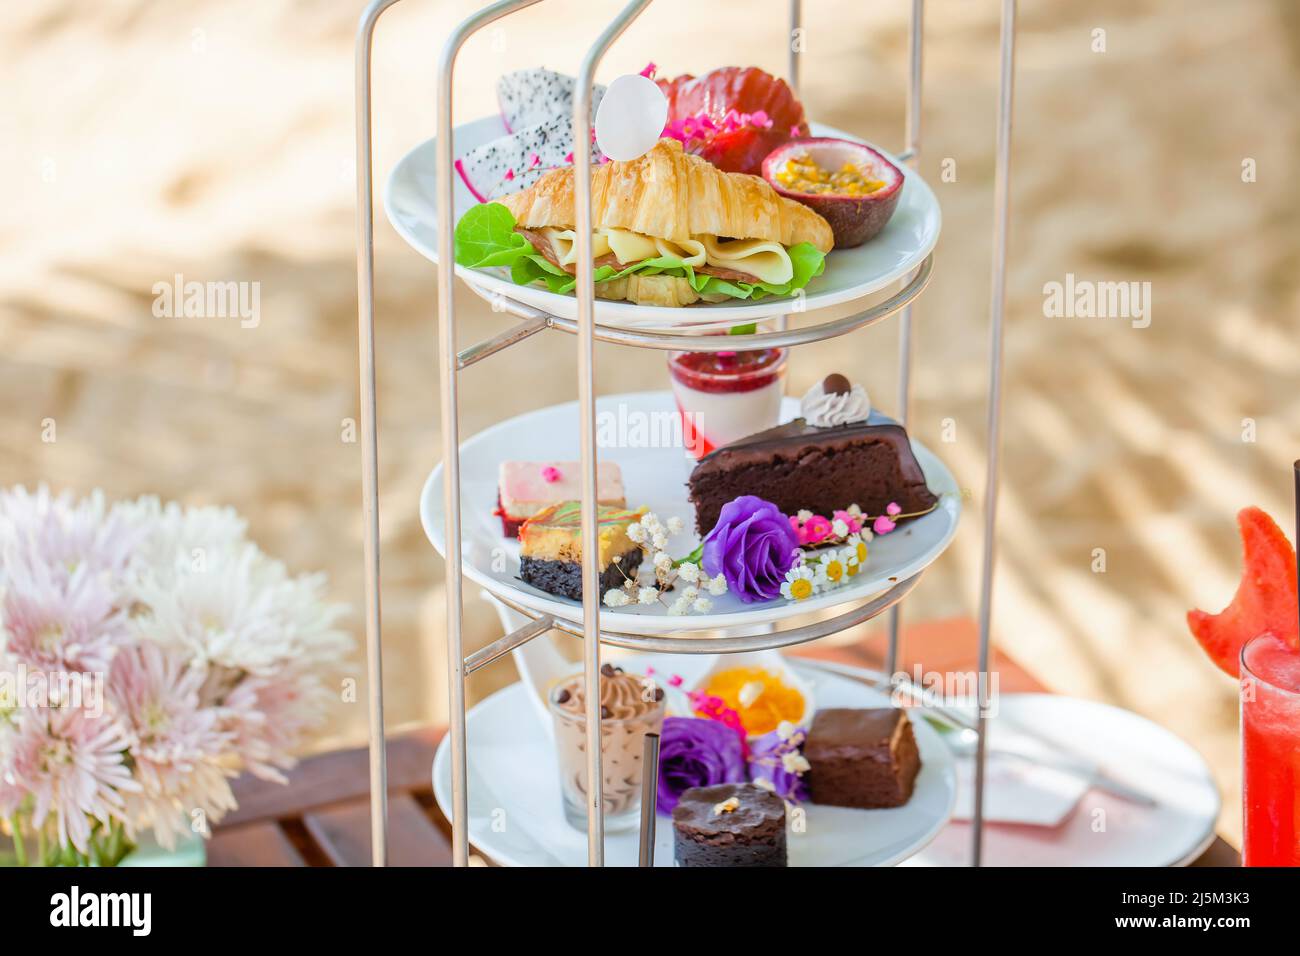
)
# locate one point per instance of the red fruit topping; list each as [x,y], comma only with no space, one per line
[727,371]
[1265,600]
[770,114]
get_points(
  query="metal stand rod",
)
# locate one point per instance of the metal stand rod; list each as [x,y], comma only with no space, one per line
[997,307]
[649,797]
[369,434]
[450,416]
[764,640]
[782,338]
[503,646]
[912,153]
[586,294]
[794,45]
[506,339]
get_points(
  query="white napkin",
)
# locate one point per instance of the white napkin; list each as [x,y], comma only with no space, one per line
[1018,790]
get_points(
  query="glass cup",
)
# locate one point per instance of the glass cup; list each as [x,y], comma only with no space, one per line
[725,396]
[1270,752]
[640,711]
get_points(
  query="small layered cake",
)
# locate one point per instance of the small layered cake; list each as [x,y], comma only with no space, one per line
[526,487]
[731,824]
[862,758]
[550,549]
[838,454]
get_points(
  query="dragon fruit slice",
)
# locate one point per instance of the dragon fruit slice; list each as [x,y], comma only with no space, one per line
[513,163]
[529,97]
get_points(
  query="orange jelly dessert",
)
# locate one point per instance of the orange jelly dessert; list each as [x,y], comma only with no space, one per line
[758,696]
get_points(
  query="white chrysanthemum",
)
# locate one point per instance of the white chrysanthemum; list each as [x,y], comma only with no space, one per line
[242,612]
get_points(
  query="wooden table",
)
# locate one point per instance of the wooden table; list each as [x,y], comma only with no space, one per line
[322,818]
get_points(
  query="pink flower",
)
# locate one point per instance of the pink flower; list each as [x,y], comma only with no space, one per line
[649,71]
[72,766]
[893,509]
[854,524]
[73,625]
[883,525]
[817,528]
[551,474]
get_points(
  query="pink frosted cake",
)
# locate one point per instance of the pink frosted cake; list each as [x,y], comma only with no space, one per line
[527,487]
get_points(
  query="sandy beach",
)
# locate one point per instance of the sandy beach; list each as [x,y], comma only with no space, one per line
[213,141]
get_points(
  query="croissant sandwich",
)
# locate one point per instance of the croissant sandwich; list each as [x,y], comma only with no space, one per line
[670,229]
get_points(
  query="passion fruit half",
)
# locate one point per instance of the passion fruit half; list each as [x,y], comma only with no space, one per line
[853,187]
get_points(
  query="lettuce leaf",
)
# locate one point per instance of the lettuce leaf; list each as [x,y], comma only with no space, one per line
[486,237]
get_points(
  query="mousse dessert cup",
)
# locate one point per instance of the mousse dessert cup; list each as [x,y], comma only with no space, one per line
[726,396]
[631,707]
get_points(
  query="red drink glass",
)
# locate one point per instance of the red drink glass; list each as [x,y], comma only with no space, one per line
[1270,752]
[726,396]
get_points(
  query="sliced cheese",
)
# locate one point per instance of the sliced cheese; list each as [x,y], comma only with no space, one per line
[766,260]
[564,244]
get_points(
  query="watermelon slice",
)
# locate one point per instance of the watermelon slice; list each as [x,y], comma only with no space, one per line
[1265,600]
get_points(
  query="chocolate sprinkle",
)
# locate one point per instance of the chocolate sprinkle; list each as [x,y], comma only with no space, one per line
[659,693]
[562,696]
[607,670]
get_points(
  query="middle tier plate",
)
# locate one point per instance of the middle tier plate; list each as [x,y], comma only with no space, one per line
[641,433]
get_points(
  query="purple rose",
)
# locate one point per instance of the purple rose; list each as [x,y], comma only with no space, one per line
[767,763]
[752,546]
[694,752]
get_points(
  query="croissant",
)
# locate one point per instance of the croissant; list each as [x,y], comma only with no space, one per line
[674,195]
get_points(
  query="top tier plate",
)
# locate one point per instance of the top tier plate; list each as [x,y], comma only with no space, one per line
[410,201]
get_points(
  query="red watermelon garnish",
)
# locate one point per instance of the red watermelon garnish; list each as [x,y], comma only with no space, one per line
[1265,600]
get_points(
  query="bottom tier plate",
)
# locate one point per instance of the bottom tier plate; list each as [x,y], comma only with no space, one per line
[515,816]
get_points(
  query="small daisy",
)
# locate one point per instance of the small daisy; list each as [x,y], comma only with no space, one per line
[833,568]
[858,545]
[800,584]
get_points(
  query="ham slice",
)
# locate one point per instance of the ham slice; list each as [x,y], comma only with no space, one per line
[540,243]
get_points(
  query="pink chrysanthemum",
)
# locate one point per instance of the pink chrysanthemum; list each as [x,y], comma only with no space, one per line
[177,746]
[72,767]
[50,625]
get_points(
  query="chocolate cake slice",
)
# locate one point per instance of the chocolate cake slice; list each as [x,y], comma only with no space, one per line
[799,466]
[731,824]
[862,758]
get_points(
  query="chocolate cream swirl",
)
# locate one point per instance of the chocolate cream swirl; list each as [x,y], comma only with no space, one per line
[624,696]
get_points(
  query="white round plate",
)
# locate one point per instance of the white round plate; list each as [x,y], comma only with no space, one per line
[655,477]
[411,203]
[515,816]
[1129,748]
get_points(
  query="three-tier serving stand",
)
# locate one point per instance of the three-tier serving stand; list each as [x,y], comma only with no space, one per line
[533,321]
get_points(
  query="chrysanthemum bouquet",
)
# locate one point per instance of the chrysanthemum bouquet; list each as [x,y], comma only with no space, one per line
[148,654]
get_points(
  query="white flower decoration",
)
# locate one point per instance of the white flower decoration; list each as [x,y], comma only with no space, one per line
[647,595]
[689,572]
[800,583]
[636,533]
[718,586]
[675,525]
[662,561]
[616,597]
[703,605]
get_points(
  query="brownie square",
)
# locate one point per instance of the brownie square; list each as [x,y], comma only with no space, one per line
[865,759]
[731,824]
